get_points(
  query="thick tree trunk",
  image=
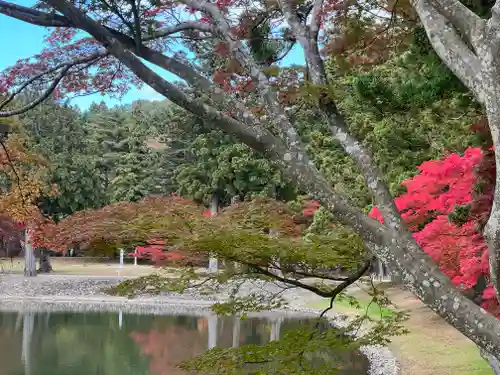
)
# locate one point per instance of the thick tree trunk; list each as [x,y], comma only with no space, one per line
[29,256]
[492,228]
[45,265]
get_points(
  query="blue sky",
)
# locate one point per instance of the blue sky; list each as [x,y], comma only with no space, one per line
[26,40]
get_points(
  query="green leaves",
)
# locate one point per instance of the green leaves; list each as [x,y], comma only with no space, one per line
[295,353]
[254,302]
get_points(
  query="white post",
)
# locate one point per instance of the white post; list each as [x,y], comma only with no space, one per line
[120,319]
[121,262]
[135,257]
[213,264]
[236,332]
[212,331]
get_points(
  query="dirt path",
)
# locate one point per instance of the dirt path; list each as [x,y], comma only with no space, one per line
[432,347]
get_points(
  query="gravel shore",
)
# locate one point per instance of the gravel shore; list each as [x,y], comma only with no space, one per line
[86,293]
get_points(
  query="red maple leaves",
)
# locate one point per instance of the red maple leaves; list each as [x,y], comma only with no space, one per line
[441,208]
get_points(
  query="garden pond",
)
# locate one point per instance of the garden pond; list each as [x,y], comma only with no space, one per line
[116,343]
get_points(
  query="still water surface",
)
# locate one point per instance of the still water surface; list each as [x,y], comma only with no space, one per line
[128,344]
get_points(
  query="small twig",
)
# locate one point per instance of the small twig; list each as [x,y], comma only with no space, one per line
[137,23]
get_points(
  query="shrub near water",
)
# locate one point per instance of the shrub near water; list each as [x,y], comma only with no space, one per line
[446,206]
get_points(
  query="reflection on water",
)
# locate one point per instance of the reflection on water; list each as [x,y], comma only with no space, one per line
[128,344]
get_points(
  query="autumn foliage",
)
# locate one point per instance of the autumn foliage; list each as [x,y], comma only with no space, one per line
[21,185]
[446,207]
[158,227]
[123,223]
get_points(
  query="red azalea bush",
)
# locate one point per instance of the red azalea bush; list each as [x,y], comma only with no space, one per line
[446,206]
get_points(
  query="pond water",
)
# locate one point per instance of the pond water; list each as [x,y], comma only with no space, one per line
[129,344]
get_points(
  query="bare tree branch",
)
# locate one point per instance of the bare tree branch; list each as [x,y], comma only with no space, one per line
[450,47]
[314,25]
[316,274]
[241,53]
[495,15]
[39,18]
[114,8]
[33,16]
[49,90]
[92,58]
[323,293]
[183,26]
[38,100]
[491,40]
[467,23]
[339,129]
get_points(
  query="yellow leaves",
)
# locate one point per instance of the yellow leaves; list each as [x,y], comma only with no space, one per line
[21,180]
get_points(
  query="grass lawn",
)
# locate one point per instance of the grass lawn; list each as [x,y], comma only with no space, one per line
[431,348]
[342,306]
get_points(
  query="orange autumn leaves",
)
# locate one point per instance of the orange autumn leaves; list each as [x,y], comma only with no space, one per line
[171,219]
[22,181]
